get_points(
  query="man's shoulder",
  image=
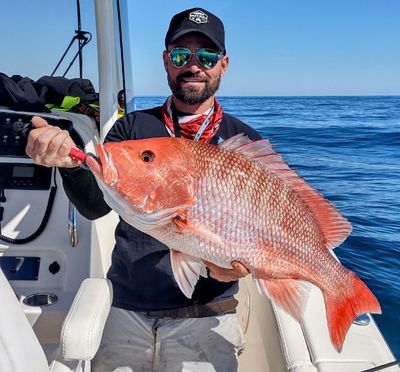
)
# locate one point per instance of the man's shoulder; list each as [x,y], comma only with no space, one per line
[153,112]
[138,124]
[231,126]
[233,120]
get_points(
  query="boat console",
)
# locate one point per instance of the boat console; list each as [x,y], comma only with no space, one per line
[46,247]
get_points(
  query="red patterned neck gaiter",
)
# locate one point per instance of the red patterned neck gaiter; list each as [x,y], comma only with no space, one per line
[190,124]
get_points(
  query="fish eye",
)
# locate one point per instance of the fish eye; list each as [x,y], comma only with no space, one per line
[147,156]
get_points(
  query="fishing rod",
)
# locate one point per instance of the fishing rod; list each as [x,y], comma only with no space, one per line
[383,366]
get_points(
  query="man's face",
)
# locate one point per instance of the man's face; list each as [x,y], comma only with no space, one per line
[193,84]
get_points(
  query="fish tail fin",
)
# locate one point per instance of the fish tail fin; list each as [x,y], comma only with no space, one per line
[343,308]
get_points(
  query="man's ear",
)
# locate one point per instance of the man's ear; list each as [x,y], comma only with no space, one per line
[165,59]
[224,64]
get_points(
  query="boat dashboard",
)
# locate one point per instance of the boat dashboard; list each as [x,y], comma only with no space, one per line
[46,247]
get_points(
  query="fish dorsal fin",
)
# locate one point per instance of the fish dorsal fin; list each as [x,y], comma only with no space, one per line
[334,227]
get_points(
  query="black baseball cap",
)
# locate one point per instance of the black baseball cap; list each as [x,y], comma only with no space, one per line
[197,20]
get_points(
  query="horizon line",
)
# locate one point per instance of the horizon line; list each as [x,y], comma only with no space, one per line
[280,96]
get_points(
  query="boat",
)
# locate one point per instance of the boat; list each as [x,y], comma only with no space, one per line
[54,295]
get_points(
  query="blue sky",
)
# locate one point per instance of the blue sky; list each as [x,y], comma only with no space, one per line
[286,47]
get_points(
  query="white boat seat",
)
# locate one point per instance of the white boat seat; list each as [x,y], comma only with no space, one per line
[294,346]
[308,347]
[83,326]
[20,350]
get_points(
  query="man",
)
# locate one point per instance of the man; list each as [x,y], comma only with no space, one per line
[152,325]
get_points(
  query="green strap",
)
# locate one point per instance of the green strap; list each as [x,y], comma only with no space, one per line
[67,104]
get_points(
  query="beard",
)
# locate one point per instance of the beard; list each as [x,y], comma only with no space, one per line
[193,95]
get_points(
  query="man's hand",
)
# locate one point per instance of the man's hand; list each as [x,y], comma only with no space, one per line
[49,145]
[227,275]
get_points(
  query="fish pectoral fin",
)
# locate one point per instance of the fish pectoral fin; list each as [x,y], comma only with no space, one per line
[183,226]
[291,295]
[187,270]
[181,223]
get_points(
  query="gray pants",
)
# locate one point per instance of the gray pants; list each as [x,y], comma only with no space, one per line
[133,343]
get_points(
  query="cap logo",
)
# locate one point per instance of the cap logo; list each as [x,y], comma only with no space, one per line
[198,17]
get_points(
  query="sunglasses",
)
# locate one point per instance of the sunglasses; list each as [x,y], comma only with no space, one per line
[207,58]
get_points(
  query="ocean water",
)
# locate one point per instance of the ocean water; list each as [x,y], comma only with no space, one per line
[348,148]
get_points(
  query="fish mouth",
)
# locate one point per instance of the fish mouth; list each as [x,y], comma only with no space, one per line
[94,159]
[102,166]
[94,163]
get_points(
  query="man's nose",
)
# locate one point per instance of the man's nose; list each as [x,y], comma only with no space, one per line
[193,65]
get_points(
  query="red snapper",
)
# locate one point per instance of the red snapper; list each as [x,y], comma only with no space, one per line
[237,201]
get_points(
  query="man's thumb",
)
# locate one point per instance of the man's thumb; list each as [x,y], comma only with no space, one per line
[39,122]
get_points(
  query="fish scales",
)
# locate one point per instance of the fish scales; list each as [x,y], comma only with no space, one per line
[240,189]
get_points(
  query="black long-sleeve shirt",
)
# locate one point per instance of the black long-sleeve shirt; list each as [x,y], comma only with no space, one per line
[141,270]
